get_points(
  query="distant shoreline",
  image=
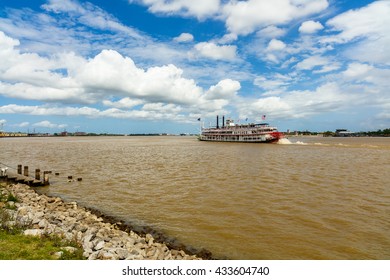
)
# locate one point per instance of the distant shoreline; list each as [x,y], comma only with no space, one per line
[319,135]
[17,135]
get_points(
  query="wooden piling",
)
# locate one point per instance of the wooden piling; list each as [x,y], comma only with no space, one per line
[46,177]
[20,169]
[37,174]
[25,171]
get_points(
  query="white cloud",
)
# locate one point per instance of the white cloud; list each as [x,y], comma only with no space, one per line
[370,20]
[124,103]
[276,45]
[376,79]
[90,15]
[370,25]
[228,38]
[29,76]
[169,112]
[225,89]
[162,108]
[184,37]
[320,64]
[241,17]
[7,44]
[58,6]
[357,70]
[101,70]
[22,124]
[109,76]
[298,104]
[48,124]
[49,110]
[274,83]
[216,52]
[245,17]
[310,26]
[200,8]
[271,31]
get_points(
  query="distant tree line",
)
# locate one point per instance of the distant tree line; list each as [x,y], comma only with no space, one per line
[378,133]
[383,133]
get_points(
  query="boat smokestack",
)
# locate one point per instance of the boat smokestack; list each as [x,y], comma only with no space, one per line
[217,122]
[223,121]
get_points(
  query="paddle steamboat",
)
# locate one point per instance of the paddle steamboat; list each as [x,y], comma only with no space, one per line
[248,133]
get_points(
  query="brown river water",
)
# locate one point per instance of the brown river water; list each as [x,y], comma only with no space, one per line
[305,198]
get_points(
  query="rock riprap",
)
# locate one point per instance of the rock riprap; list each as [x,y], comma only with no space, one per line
[43,215]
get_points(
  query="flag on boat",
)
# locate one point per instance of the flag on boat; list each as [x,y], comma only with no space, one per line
[263,117]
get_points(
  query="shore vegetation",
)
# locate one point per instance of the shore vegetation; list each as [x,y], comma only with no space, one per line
[14,245]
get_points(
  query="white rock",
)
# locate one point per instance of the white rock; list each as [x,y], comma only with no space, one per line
[122,253]
[99,245]
[33,232]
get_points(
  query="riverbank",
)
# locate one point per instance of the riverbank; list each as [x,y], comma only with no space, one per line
[99,238]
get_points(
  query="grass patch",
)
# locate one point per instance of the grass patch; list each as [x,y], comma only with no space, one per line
[21,247]
[16,246]
[11,197]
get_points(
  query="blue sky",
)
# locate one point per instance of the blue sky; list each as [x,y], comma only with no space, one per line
[155,66]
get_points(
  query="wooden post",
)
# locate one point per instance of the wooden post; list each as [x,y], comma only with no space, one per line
[37,174]
[25,171]
[46,177]
[20,169]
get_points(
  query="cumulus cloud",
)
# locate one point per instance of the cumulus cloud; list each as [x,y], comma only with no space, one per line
[124,103]
[317,63]
[241,17]
[200,8]
[310,26]
[370,25]
[276,45]
[48,124]
[216,52]
[371,78]
[225,89]
[108,76]
[44,110]
[89,15]
[271,31]
[273,83]
[169,112]
[244,17]
[299,103]
[357,70]
[228,38]
[30,76]
[91,70]
[184,37]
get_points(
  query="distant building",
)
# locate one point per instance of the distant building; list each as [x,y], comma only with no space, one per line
[344,133]
[78,133]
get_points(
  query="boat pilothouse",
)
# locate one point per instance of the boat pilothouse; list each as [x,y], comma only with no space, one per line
[232,132]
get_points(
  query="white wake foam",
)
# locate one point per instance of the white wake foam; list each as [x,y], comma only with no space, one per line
[285,141]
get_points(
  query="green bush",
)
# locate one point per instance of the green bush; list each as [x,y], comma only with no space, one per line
[11,197]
